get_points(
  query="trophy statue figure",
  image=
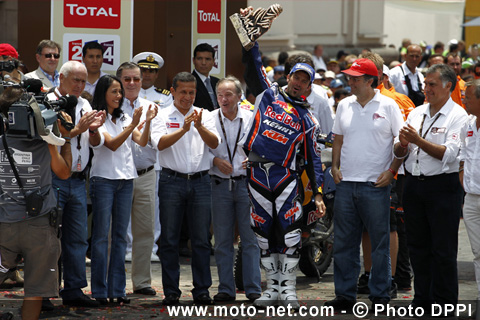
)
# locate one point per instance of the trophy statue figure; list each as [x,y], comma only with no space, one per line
[250,24]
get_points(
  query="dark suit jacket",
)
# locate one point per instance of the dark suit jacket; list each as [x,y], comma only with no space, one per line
[202,98]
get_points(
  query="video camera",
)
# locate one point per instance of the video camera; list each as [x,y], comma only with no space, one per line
[33,116]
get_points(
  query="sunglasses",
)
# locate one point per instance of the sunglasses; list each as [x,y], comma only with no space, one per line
[52,55]
[128,80]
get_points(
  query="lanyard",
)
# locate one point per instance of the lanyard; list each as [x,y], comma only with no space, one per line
[426,132]
[230,155]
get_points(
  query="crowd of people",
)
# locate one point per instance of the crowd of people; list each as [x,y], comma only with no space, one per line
[161,165]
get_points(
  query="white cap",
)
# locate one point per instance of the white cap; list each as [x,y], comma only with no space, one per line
[386,71]
[148,60]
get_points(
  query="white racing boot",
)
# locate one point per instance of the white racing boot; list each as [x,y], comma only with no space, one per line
[288,281]
[272,273]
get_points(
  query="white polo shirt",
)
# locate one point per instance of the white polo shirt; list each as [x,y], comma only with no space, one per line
[444,131]
[470,154]
[232,131]
[115,165]
[79,157]
[189,154]
[368,135]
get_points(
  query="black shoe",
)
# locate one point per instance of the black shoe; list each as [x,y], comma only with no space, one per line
[47,305]
[253,296]
[102,301]
[393,290]
[185,252]
[340,303]
[223,297]
[362,287]
[377,302]
[84,301]
[6,316]
[170,300]
[203,299]
[403,284]
[120,300]
[148,291]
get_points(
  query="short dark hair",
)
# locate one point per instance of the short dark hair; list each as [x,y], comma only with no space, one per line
[48,44]
[374,84]
[92,45]
[127,66]
[204,47]
[451,54]
[446,74]
[183,77]
[298,58]
[282,57]
[99,102]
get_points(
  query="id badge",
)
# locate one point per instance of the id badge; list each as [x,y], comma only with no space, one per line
[79,163]
[416,169]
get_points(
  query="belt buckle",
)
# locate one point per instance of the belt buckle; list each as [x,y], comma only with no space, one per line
[189,176]
[421,177]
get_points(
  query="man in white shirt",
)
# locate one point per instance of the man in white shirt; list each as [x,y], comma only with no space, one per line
[407,78]
[150,63]
[71,194]
[92,57]
[231,204]
[317,57]
[183,135]
[432,198]
[143,206]
[469,175]
[363,168]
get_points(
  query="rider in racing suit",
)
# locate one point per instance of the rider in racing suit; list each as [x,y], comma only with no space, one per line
[281,126]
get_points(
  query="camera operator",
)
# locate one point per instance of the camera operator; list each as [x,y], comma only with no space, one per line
[8,53]
[72,196]
[29,220]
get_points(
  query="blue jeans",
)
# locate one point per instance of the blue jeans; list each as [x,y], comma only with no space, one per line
[72,197]
[229,207]
[181,198]
[359,204]
[111,199]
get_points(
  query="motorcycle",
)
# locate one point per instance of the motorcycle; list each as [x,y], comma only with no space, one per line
[316,252]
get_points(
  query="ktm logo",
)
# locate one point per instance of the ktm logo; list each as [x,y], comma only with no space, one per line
[275,136]
[291,212]
[257,218]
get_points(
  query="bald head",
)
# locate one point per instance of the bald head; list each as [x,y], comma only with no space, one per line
[413,56]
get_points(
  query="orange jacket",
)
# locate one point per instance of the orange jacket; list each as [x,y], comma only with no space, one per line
[404,103]
[459,93]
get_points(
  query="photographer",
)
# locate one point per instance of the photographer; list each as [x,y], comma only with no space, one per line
[29,220]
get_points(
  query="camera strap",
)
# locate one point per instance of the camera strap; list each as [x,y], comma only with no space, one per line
[12,164]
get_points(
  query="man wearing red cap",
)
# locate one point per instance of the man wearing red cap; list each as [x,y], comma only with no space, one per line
[365,125]
[8,53]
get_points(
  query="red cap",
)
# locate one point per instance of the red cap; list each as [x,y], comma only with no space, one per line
[361,67]
[8,50]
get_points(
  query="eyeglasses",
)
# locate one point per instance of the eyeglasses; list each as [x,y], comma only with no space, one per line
[52,55]
[128,80]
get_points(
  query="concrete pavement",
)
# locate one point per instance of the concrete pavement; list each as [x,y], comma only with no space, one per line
[311,294]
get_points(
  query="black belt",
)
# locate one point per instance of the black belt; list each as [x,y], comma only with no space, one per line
[426,178]
[78,175]
[185,175]
[143,171]
[231,178]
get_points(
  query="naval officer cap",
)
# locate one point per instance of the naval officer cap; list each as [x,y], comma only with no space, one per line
[148,60]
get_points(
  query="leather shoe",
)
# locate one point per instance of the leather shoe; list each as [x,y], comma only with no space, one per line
[223,297]
[340,304]
[253,296]
[82,301]
[120,300]
[47,305]
[170,300]
[102,301]
[203,299]
[148,291]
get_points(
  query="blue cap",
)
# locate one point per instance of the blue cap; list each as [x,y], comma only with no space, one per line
[336,83]
[305,68]
[280,68]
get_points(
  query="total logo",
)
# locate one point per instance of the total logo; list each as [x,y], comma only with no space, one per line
[209,16]
[75,50]
[103,14]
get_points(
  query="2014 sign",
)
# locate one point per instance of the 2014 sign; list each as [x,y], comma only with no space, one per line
[75,50]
